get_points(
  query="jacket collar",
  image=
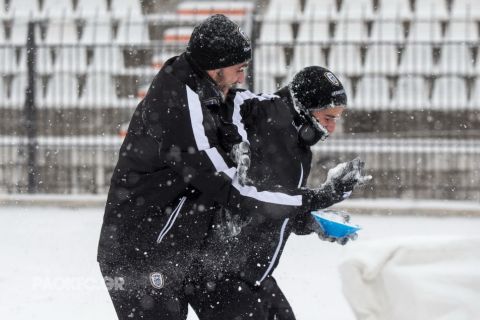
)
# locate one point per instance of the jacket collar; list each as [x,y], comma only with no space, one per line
[286,95]
[187,71]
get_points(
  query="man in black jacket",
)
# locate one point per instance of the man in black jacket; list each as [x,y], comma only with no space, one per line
[242,251]
[172,170]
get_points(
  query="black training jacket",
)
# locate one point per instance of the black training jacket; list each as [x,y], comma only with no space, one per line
[171,158]
[249,246]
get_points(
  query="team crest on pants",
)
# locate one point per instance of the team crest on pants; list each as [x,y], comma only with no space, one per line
[156,280]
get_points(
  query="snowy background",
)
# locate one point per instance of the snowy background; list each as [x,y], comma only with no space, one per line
[49,271]
[414,117]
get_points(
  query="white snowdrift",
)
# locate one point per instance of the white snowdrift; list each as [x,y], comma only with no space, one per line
[414,278]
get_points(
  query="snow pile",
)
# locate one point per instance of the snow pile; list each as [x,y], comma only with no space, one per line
[414,278]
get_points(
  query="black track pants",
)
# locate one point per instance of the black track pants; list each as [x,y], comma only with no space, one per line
[134,296]
[233,299]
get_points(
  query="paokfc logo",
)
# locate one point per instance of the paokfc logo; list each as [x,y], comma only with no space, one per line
[330,77]
[156,280]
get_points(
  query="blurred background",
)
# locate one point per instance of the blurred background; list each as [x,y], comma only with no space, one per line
[73,71]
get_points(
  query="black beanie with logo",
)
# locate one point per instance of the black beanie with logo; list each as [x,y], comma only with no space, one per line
[315,87]
[218,42]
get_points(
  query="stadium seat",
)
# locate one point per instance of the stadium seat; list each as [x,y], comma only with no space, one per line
[99,91]
[16,94]
[306,54]
[430,9]
[345,58]
[107,59]
[356,9]
[394,9]
[2,30]
[71,59]
[97,32]
[474,102]
[57,9]
[417,58]
[62,32]
[382,58]
[282,10]
[373,93]
[465,9]
[19,31]
[425,30]
[44,62]
[477,63]
[3,10]
[270,60]
[320,10]
[387,30]
[177,35]
[175,40]
[462,30]
[265,84]
[347,86]
[133,32]
[91,8]
[455,58]
[62,91]
[3,92]
[314,30]
[411,93]
[126,8]
[350,29]
[8,60]
[21,60]
[23,8]
[449,93]
[199,10]
[276,31]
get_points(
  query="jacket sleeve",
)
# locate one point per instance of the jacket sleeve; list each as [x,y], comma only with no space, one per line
[303,224]
[175,120]
[250,109]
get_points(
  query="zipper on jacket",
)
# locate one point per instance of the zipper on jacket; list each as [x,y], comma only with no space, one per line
[282,232]
[171,219]
[277,250]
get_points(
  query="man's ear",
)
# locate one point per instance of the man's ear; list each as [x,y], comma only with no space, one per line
[214,74]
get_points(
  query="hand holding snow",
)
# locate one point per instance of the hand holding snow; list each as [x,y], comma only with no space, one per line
[339,218]
[339,184]
[346,176]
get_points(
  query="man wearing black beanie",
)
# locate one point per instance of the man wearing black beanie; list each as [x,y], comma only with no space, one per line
[222,49]
[172,169]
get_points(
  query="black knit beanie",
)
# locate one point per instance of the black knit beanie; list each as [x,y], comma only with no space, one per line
[218,42]
[318,88]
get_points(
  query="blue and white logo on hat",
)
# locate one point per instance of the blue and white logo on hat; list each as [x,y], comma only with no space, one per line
[332,78]
[156,280]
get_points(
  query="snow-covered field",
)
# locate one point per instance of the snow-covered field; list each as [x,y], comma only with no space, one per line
[48,268]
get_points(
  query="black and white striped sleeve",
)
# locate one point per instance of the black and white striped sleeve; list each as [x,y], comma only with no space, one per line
[188,150]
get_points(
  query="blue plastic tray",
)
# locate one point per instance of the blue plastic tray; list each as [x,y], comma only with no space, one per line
[333,224]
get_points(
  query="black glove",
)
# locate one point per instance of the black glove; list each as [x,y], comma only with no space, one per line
[339,184]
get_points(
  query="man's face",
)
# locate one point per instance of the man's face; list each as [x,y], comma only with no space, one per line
[328,117]
[228,77]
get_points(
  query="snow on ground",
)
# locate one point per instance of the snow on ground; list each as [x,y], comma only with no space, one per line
[48,268]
